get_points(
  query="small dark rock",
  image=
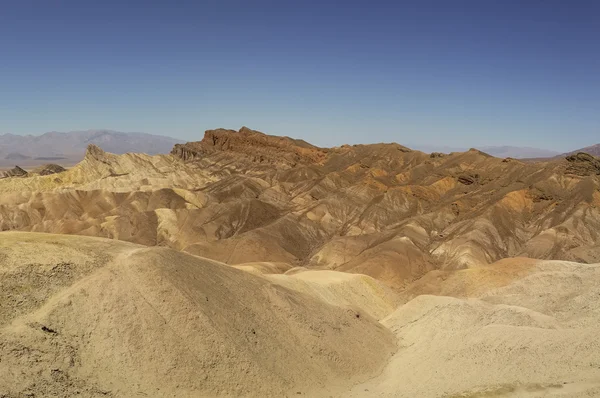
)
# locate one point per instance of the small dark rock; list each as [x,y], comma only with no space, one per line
[468,179]
[48,330]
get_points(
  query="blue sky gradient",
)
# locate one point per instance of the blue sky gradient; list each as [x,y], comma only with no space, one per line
[455,73]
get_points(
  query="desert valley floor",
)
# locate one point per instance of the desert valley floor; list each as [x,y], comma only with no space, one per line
[246,264]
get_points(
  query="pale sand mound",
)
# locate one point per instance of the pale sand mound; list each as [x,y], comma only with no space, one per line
[534,337]
[264,268]
[91,317]
[361,292]
[471,282]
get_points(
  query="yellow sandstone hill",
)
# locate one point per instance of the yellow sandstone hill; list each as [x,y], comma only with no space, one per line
[382,210]
[91,317]
[246,264]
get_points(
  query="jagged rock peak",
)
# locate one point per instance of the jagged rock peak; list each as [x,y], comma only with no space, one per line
[259,147]
[228,139]
[479,152]
[581,157]
[94,151]
[187,152]
[14,172]
[583,164]
[18,171]
[49,169]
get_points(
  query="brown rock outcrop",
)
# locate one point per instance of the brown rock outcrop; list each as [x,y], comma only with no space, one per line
[583,164]
[14,172]
[257,146]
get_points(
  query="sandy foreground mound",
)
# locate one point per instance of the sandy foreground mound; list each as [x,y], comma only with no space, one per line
[93,317]
[536,336]
[342,289]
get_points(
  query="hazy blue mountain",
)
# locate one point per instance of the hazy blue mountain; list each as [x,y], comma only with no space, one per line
[518,152]
[72,145]
[592,150]
[498,151]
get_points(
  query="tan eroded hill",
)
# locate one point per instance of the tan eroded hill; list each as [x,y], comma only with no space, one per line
[382,210]
[86,316]
[456,235]
[96,318]
[522,328]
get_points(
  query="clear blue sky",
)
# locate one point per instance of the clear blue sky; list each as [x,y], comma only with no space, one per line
[457,73]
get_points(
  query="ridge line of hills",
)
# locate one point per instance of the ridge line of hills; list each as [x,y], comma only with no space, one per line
[253,265]
[381,209]
[67,148]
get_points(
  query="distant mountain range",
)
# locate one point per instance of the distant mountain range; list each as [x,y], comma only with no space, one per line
[592,150]
[518,152]
[505,151]
[70,147]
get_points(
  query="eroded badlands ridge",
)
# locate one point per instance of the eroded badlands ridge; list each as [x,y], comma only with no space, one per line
[383,210]
[422,306]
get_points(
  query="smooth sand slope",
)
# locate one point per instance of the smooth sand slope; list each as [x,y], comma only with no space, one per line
[92,317]
[341,289]
[536,336]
